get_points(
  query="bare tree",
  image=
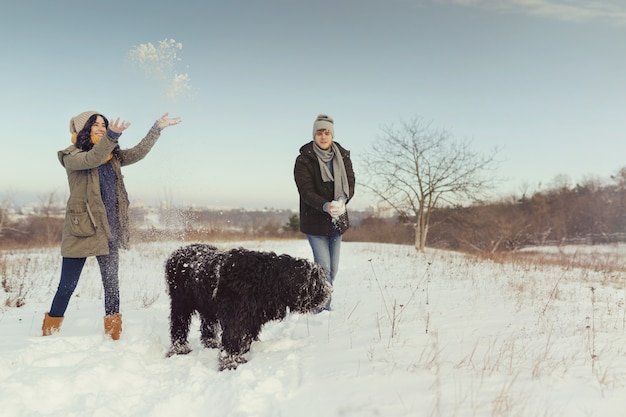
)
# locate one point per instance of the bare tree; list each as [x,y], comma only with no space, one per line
[416,168]
[620,178]
[48,206]
[3,219]
[5,203]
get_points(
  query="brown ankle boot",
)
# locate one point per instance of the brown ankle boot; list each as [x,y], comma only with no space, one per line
[113,325]
[50,325]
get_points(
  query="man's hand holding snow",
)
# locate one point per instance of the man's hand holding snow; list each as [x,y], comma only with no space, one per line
[336,208]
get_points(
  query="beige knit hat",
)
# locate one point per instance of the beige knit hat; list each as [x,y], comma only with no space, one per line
[78,122]
[324,121]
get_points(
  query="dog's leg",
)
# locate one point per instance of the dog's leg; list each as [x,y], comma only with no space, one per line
[228,361]
[208,331]
[178,349]
[180,320]
[236,341]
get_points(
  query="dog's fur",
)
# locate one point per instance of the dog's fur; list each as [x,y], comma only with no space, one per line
[237,292]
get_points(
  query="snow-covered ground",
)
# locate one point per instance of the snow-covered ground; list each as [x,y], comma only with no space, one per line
[432,334]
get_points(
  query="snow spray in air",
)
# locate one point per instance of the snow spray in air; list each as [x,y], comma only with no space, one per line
[160,62]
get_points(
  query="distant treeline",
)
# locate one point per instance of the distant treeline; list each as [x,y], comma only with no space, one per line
[586,213]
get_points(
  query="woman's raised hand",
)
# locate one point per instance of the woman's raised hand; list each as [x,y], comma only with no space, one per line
[165,121]
[118,126]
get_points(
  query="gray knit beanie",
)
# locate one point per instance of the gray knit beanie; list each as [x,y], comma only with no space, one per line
[78,122]
[324,121]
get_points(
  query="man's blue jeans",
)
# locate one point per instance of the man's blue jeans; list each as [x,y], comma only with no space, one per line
[326,250]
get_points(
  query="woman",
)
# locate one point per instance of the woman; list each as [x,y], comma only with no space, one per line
[325,180]
[96,215]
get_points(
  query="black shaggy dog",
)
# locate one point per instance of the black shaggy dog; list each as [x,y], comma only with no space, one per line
[237,292]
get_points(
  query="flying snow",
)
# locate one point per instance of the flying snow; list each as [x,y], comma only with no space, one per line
[161,62]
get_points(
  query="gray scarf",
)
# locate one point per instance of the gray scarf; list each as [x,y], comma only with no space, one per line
[340,178]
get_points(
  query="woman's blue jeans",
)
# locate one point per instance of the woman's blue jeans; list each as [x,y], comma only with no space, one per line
[71,269]
[326,250]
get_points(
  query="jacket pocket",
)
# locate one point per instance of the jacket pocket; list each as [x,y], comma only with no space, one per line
[81,222]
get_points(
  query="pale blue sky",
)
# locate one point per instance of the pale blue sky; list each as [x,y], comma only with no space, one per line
[544,80]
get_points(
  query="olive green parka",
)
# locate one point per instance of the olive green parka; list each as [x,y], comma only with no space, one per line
[86,229]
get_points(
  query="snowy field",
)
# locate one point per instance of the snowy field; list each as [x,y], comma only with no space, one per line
[432,334]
